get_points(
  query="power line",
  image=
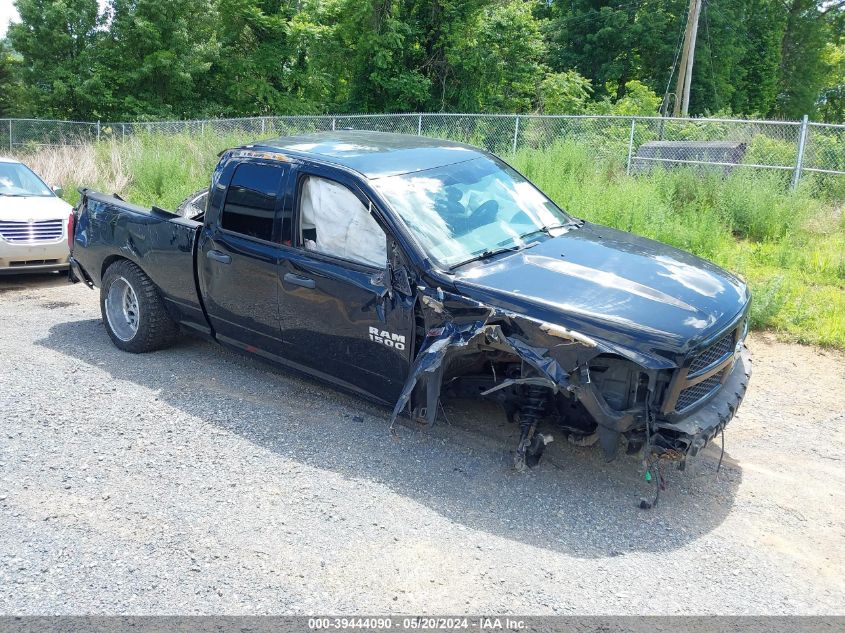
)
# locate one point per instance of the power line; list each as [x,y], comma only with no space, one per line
[595,15]
[678,47]
[710,51]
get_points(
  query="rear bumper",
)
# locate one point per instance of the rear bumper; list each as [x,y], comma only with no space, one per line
[692,433]
[77,273]
[33,257]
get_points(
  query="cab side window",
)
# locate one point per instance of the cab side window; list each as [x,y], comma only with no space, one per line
[333,221]
[251,200]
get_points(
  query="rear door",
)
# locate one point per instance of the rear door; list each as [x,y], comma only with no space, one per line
[336,316]
[239,254]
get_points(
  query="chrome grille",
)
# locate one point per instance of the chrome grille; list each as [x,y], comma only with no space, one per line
[713,354]
[31,232]
[692,395]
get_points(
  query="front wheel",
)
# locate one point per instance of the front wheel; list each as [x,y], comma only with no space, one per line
[133,310]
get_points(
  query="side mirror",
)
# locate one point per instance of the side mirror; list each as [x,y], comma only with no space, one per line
[57,190]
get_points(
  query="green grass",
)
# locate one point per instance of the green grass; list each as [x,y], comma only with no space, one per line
[789,246]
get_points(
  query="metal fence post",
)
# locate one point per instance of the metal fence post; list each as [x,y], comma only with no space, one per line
[802,141]
[123,132]
[419,125]
[631,144]
[334,123]
[98,130]
[263,124]
[10,135]
[515,133]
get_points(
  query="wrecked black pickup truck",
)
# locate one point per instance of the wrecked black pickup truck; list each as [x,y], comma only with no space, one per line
[407,269]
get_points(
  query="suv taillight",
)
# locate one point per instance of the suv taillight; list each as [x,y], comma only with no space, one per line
[70,226]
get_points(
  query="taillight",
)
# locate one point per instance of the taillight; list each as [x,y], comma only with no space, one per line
[70,226]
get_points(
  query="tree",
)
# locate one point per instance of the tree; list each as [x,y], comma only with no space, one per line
[386,72]
[765,24]
[57,42]
[613,42]
[264,59]
[10,100]
[564,93]
[158,55]
[802,69]
[496,60]
[639,100]
[832,97]
[152,59]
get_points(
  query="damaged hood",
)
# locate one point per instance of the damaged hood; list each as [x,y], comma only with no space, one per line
[635,292]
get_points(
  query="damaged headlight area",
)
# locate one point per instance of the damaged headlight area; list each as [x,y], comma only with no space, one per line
[565,383]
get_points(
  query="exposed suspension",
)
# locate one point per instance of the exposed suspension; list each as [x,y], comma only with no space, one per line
[531,444]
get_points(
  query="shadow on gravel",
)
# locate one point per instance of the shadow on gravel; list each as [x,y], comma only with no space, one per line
[10,284]
[573,503]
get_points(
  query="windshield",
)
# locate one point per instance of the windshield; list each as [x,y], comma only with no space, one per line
[469,210]
[19,180]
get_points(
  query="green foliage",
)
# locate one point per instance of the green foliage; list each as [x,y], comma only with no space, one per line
[147,59]
[802,69]
[832,98]
[564,93]
[57,41]
[614,42]
[10,89]
[385,75]
[264,48]
[765,150]
[498,67]
[638,100]
[157,55]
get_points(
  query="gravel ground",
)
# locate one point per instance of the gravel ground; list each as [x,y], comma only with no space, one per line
[197,481]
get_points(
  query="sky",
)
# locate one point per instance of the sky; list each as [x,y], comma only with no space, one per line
[7,13]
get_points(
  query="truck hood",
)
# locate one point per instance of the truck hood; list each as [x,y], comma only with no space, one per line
[632,292]
[33,208]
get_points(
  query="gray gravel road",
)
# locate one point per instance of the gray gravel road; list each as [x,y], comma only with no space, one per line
[197,481]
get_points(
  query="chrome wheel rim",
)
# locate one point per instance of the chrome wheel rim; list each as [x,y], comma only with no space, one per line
[122,309]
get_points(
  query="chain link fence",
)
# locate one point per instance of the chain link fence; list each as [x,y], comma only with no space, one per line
[640,144]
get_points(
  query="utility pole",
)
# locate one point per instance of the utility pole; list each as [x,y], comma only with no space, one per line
[687,58]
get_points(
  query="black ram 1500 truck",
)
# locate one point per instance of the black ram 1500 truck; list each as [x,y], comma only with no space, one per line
[404,268]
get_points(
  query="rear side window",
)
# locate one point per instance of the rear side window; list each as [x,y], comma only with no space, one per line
[251,200]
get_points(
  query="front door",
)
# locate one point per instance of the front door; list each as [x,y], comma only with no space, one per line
[335,314]
[239,258]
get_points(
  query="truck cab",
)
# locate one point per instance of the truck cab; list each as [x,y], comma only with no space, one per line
[291,262]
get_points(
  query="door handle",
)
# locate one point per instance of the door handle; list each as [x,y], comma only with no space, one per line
[300,281]
[217,256]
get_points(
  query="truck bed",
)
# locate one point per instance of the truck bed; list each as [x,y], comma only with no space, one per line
[163,244]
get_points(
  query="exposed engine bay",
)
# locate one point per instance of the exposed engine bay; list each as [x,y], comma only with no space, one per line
[585,389]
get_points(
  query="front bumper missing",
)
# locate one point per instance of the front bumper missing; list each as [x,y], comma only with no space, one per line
[545,352]
[693,432]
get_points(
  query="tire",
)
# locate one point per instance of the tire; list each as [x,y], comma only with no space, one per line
[193,205]
[133,310]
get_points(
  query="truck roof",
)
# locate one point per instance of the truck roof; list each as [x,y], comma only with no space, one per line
[374,154]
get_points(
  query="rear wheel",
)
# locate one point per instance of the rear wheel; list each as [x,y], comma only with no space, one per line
[133,310]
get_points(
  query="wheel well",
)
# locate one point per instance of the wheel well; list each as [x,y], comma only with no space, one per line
[108,261]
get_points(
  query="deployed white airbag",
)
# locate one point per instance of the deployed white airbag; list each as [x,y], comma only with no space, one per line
[344,226]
